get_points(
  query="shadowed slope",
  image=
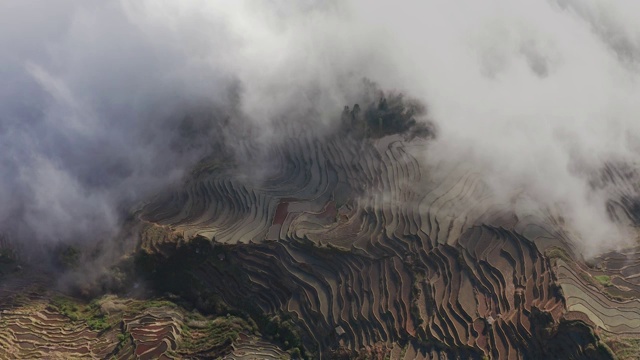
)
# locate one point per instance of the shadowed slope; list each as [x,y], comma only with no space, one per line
[364,249]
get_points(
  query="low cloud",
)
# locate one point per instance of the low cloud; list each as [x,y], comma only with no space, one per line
[106,103]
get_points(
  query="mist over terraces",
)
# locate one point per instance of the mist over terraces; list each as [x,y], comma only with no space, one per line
[362,250]
[338,244]
[352,179]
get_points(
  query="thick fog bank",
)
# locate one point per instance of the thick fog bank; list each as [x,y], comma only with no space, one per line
[104,103]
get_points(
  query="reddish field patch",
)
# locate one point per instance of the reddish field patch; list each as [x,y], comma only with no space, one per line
[281,213]
[329,211]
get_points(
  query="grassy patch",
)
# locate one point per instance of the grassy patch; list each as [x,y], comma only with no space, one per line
[152,303]
[124,339]
[212,334]
[604,280]
[623,348]
[77,311]
[558,253]
[98,323]
[66,307]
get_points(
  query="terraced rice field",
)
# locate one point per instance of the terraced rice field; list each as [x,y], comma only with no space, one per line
[39,324]
[371,252]
[344,247]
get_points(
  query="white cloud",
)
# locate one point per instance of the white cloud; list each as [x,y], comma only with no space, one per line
[536,93]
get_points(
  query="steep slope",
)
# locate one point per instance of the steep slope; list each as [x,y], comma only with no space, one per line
[38,323]
[340,245]
[365,250]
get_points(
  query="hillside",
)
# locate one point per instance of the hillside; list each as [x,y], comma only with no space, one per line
[348,246]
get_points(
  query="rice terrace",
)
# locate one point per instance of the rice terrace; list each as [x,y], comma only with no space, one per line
[319,180]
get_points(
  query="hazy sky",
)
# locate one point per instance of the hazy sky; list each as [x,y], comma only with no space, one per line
[538,94]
